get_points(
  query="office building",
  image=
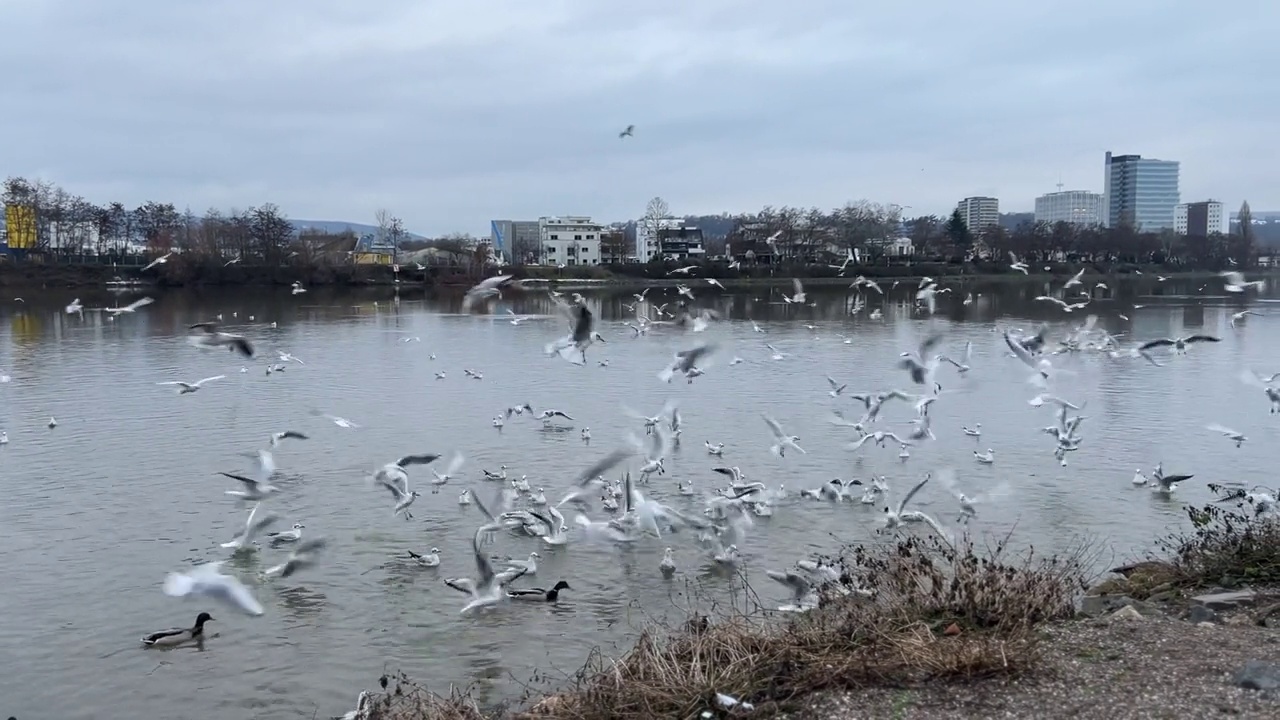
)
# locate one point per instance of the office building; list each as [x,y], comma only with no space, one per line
[1200,219]
[671,238]
[979,213]
[513,235]
[569,240]
[1074,207]
[1139,192]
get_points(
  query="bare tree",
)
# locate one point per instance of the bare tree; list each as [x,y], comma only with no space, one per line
[654,213]
[1243,244]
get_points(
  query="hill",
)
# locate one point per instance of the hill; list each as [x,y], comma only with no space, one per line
[337,226]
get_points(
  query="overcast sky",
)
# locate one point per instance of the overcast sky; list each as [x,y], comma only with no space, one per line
[450,114]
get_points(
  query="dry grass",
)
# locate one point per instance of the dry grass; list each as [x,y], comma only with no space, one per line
[1227,547]
[937,613]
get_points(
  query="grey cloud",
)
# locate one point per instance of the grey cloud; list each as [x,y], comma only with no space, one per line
[451,114]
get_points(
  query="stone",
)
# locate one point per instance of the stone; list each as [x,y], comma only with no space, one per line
[1226,600]
[1098,605]
[1126,613]
[1205,624]
[1163,596]
[1199,614]
[1258,675]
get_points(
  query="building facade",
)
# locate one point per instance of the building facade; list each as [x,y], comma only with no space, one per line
[979,213]
[569,240]
[1139,192]
[510,236]
[1074,207]
[671,238]
[1200,219]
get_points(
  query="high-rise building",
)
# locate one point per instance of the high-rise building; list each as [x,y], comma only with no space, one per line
[979,213]
[514,235]
[1139,192]
[1200,219]
[1075,207]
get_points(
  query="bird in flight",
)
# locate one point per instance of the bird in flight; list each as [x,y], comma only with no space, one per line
[629,132]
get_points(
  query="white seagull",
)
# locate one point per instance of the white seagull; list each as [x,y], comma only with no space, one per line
[186,387]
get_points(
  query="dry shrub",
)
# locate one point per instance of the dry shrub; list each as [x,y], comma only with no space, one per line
[938,612]
[403,699]
[1227,547]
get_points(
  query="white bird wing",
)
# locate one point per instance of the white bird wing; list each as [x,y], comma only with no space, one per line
[912,493]
[198,383]
[455,464]
[139,303]
[795,282]
[183,383]
[774,427]
[1019,351]
[1215,427]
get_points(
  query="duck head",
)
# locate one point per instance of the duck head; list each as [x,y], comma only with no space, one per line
[562,585]
[203,618]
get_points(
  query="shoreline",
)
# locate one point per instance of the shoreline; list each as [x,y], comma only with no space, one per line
[951,631]
[171,275]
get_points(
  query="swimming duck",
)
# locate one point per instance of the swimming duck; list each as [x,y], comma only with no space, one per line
[178,636]
[539,594]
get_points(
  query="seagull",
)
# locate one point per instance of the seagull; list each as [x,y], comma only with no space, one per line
[1237,317]
[1068,307]
[546,415]
[158,261]
[1235,282]
[243,539]
[573,347]
[683,270]
[798,297]
[686,362]
[207,581]
[487,288]
[713,281]
[296,288]
[717,449]
[455,464]
[1139,479]
[913,361]
[341,422]
[210,336]
[486,589]
[276,438]
[186,387]
[893,517]
[961,367]
[985,458]
[629,132]
[776,354]
[781,441]
[131,307]
[836,388]
[395,479]
[293,534]
[431,559]
[1020,351]
[1227,432]
[255,488]
[1075,280]
[303,556]
[1179,344]
[75,307]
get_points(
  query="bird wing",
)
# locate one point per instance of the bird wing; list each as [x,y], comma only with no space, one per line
[1161,342]
[249,482]
[455,464]
[426,459]
[139,303]
[604,465]
[1200,338]
[1019,351]
[834,385]
[928,343]
[244,347]
[1215,427]
[198,383]
[795,282]
[183,383]
[774,427]
[912,493]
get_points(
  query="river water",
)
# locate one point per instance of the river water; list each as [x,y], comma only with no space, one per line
[97,510]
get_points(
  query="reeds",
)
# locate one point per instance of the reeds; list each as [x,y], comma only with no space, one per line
[1227,547]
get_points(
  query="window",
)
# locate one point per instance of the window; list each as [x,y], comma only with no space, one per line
[555,237]
[577,237]
[591,237]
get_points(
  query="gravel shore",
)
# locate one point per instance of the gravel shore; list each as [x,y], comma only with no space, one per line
[1112,668]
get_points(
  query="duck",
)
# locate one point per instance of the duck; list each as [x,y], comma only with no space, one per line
[431,559]
[178,636]
[539,594]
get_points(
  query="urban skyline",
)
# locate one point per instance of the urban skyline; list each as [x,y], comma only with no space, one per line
[449,116]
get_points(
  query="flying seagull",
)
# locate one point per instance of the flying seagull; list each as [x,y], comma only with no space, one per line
[629,132]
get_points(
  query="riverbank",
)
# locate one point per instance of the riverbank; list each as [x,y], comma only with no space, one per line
[922,629]
[183,273]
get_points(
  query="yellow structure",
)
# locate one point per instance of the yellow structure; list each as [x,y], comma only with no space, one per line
[21,221]
[372,258]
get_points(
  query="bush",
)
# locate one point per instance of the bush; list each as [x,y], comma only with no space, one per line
[936,613]
[1228,547]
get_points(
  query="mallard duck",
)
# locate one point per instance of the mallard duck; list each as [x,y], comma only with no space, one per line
[539,594]
[178,636]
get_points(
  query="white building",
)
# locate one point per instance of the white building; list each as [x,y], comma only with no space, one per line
[569,240]
[670,238]
[979,213]
[1074,207]
[1201,219]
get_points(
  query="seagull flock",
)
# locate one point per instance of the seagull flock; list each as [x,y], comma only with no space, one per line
[613,498]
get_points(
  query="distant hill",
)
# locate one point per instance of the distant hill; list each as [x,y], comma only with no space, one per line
[337,226]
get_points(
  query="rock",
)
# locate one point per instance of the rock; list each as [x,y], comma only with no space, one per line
[1205,624]
[1226,600]
[1126,613]
[1268,615]
[952,629]
[1098,605]
[1110,586]
[1163,596]
[1258,675]
[1199,614]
